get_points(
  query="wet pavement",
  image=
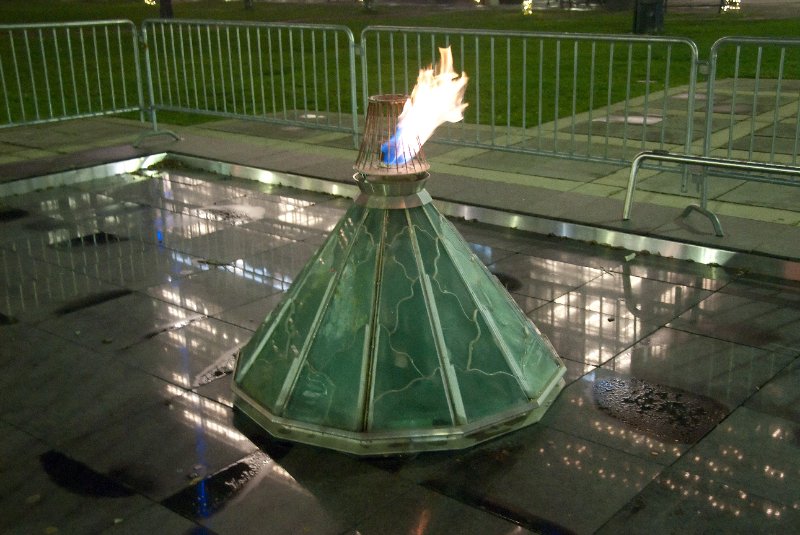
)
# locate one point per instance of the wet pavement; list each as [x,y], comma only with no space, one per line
[124,301]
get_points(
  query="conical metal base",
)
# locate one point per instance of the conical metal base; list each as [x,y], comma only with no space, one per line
[396,338]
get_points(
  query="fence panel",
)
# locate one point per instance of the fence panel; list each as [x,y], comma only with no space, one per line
[290,74]
[52,72]
[582,96]
[753,100]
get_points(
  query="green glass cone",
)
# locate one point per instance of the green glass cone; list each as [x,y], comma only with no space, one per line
[396,338]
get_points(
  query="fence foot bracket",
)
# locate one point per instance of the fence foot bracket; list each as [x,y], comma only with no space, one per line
[154,133]
[708,213]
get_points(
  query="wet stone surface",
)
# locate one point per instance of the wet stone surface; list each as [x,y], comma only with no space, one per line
[665,413]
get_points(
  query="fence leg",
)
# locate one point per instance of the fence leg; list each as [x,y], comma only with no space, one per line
[703,206]
[154,133]
[708,213]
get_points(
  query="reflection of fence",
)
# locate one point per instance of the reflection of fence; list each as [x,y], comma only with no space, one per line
[290,74]
[52,72]
[753,108]
[595,97]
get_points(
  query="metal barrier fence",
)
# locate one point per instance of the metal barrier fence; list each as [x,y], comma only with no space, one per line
[584,96]
[755,172]
[590,97]
[53,72]
[753,100]
[299,74]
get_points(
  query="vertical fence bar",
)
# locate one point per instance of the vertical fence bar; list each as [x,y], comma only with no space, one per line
[202,62]
[575,62]
[32,78]
[97,67]
[259,53]
[252,73]
[337,82]
[271,73]
[405,64]
[193,66]
[211,67]
[46,74]
[282,71]
[647,96]
[72,70]
[796,133]
[5,92]
[240,64]
[492,82]
[754,114]
[477,91]
[556,93]
[229,48]
[508,91]
[303,77]
[163,34]
[184,70]
[57,54]
[174,57]
[524,104]
[293,74]
[776,113]
[734,96]
[87,88]
[221,73]
[392,64]
[665,92]
[626,113]
[540,96]
[110,70]
[589,122]
[137,71]
[609,86]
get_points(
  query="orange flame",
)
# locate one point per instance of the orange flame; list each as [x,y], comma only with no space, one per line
[436,98]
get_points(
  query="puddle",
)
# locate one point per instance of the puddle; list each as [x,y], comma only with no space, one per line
[12,214]
[211,494]
[90,240]
[78,478]
[663,412]
[91,300]
[511,283]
